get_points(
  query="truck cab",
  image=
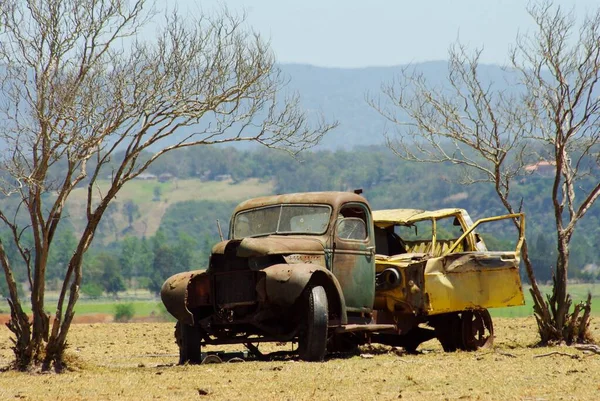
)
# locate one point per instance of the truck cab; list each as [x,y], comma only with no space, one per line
[322,270]
[434,267]
[295,267]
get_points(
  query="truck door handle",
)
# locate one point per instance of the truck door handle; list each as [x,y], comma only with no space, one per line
[371,249]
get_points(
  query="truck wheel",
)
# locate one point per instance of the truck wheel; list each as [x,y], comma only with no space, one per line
[477,329]
[188,340]
[312,342]
[448,331]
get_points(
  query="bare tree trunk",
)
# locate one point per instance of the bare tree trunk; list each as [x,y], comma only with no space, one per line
[19,321]
[72,99]
[555,323]
[540,308]
[40,318]
[560,301]
[57,342]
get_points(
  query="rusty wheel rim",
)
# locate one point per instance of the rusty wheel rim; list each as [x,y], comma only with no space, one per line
[477,330]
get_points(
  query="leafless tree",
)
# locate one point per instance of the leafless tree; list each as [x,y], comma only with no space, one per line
[549,101]
[78,83]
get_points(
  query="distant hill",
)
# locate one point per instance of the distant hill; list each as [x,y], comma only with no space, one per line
[339,94]
[153,198]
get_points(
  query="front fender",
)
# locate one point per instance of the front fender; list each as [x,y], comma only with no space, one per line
[174,294]
[285,283]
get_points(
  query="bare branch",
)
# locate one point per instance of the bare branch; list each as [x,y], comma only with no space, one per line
[79,83]
[550,102]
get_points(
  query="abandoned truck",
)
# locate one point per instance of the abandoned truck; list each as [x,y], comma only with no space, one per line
[434,267]
[302,267]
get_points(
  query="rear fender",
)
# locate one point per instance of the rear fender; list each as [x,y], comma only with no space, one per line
[285,283]
[175,292]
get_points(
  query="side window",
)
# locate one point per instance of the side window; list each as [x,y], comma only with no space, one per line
[448,228]
[351,228]
[352,223]
[418,231]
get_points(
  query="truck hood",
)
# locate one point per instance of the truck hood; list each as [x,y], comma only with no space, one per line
[271,245]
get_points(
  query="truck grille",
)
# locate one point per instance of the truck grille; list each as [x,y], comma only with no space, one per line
[235,288]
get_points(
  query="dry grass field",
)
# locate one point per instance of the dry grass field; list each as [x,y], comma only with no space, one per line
[136,361]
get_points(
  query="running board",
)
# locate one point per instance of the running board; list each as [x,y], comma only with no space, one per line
[353,328]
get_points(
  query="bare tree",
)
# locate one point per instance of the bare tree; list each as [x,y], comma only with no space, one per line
[549,101]
[78,83]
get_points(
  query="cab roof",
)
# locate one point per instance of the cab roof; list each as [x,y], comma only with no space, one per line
[332,198]
[388,217]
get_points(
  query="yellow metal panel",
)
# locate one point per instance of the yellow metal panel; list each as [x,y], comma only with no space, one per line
[453,292]
[384,218]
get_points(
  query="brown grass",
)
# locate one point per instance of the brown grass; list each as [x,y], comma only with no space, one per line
[136,361]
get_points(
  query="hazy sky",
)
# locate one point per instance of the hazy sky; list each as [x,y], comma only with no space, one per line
[352,33]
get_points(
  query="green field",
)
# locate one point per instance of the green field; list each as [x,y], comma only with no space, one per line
[578,293]
[141,308]
[146,305]
[152,208]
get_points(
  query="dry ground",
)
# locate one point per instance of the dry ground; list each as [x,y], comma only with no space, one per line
[136,361]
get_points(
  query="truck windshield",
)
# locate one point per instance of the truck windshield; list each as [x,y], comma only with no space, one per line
[281,219]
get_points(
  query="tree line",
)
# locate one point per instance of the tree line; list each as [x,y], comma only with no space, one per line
[188,229]
[83,109]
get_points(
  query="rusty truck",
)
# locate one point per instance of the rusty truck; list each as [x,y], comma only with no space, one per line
[322,270]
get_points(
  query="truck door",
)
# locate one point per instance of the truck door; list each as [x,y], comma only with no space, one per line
[353,256]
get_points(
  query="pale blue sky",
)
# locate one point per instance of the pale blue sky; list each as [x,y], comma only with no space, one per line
[352,33]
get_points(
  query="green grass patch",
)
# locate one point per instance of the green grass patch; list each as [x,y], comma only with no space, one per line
[578,293]
[151,307]
[140,308]
[142,192]
[152,209]
[87,307]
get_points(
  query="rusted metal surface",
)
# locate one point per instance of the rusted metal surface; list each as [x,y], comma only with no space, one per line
[174,295]
[334,199]
[352,328]
[477,330]
[389,217]
[250,247]
[254,285]
[456,275]
[353,267]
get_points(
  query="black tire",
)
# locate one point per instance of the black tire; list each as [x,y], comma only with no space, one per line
[448,331]
[477,330]
[188,340]
[312,342]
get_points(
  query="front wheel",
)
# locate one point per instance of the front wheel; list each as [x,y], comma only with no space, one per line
[312,342]
[188,340]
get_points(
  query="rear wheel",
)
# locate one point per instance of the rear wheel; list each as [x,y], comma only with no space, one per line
[477,329]
[188,340]
[447,330]
[312,342]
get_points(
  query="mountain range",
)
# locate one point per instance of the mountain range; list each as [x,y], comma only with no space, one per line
[339,94]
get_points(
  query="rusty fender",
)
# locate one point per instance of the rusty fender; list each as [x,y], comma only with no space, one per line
[174,294]
[284,283]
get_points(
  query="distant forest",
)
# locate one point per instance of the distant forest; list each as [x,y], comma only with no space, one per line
[188,229]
